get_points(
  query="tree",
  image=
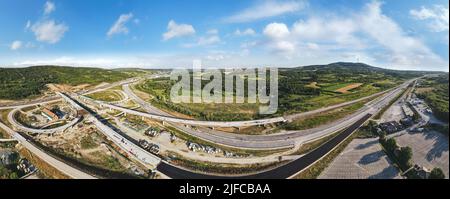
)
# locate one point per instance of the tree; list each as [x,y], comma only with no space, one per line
[13,175]
[382,135]
[437,173]
[372,126]
[390,144]
[405,155]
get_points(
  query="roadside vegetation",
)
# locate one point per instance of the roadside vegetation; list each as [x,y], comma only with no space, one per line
[239,152]
[228,169]
[323,118]
[435,92]
[310,146]
[317,168]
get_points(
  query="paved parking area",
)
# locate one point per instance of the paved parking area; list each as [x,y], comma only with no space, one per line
[430,149]
[361,159]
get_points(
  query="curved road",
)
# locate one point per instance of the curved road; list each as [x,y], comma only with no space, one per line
[19,126]
[57,164]
[288,170]
[279,140]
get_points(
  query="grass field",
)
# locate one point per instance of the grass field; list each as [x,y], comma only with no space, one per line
[107,96]
[288,103]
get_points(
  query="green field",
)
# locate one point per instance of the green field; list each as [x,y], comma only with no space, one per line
[107,96]
[295,91]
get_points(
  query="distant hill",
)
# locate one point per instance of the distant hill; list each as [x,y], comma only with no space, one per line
[354,68]
[18,83]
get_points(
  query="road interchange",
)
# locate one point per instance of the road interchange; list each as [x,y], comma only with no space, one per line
[279,140]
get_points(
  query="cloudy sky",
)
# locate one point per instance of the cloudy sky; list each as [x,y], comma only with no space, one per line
[398,34]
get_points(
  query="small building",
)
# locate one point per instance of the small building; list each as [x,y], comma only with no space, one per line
[408,121]
[58,113]
[408,112]
[390,127]
[7,157]
[49,114]
[152,132]
[421,171]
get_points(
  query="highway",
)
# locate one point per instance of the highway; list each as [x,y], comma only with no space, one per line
[288,170]
[56,98]
[218,137]
[32,103]
[134,151]
[293,168]
[194,122]
[59,165]
[279,140]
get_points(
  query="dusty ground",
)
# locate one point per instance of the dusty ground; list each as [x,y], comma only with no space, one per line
[361,159]
[313,85]
[86,144]
[179,147]
[348,88]
[65,87]
[393,113]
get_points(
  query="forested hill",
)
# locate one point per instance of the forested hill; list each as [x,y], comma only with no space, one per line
[18,83]
[356,68]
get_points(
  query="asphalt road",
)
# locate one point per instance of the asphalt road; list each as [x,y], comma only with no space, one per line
[19,126]
[278,140]
[285,171]
[129,147]
[55,98]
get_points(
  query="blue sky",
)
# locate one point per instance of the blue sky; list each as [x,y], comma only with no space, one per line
[398,34]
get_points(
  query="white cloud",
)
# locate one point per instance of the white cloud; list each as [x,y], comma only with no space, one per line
[28,25]
[49,7]
[119,26]
[367,32]
[15,45]
[30,45]
[177,30]
[279,37]
[246,32]
[49,31]
[276,31]
[438,17]
[267,9]
[211,38]
[403,50]
[326,30]
[212,32]
[313,46]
